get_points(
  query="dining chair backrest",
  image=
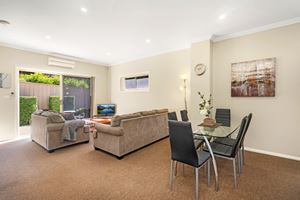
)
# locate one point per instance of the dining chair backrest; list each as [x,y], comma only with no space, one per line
[223,116]
[172,116]
[249,118]
[182,143]
[239,136]
[184,115]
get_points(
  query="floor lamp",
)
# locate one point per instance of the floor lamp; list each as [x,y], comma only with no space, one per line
[184,90]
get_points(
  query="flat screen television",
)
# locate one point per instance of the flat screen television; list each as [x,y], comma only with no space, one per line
[106,109]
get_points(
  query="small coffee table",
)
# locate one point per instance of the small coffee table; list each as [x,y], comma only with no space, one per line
[101,120]
[91,122]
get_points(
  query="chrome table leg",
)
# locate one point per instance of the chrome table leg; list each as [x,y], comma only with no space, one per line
[234,172]
[197,183]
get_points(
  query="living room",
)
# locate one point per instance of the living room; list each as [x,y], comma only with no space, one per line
[147,60]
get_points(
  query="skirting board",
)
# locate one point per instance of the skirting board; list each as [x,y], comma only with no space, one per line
[272,153]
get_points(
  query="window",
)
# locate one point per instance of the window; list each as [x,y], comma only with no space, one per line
[135,83]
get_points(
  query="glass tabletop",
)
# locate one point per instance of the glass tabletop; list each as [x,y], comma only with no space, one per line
[220,131]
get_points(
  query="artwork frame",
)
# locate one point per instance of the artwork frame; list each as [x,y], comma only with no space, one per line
[255,78]
[5,80]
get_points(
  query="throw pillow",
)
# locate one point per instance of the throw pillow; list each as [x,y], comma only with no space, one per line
[68,116]
[55,118]
[38,112]
[115,121]
[46,113]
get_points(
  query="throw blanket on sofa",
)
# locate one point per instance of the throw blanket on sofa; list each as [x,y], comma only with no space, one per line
[70,127]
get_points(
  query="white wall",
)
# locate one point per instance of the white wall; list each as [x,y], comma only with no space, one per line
[11,59]
[165,80]
[275,126]
[200,54]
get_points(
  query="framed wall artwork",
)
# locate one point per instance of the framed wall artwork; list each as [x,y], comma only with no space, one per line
[253,78]
[5,80]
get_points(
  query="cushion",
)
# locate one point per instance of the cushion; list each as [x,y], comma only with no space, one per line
[68,115]
[56,118]
[116,120]
[150,112]
[163,110]
[46,113]
[221,149]
[38,112]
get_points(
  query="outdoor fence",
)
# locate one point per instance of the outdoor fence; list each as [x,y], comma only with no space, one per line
[41,91]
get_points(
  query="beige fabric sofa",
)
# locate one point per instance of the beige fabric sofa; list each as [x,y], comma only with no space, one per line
[49,135]
[130,132]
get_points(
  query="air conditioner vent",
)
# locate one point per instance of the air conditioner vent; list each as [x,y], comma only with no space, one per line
[58,62]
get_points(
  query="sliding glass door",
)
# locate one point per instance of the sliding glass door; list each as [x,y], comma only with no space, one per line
[77,96]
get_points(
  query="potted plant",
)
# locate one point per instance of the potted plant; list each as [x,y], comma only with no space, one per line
[205,108]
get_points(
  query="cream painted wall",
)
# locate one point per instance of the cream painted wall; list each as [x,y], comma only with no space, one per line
[165,80]
[200,54]
[11,59]
[275,126]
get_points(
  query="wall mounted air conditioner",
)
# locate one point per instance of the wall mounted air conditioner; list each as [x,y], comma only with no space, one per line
[58,62]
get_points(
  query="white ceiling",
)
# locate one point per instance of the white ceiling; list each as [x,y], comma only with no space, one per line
[121,27]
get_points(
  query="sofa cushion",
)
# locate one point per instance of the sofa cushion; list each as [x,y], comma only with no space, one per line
[53,117]
[56,118]
[116,120]
[38,112]
[163,110]
[46,113]
[150,112]
[68,115]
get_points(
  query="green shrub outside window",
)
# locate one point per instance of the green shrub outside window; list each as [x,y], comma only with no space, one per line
[75,82]
[28,105]
[40,78]
[54,103]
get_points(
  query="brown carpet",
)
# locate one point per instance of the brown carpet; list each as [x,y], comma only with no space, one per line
[28,172]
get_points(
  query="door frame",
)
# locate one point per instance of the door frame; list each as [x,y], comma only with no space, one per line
[55,72]
[91,88]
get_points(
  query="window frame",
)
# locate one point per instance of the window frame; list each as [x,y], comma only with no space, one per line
[135,75]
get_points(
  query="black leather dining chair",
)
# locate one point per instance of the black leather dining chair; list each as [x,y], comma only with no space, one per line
[198,139]
[183,150]
[231,142]
[184,115]
[230,152]
[172,116]
[223,116]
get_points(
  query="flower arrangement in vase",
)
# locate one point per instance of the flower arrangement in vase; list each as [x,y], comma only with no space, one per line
[205,108]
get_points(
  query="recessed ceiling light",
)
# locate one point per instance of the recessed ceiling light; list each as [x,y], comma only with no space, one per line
[108,53]
[83,9]
[4,22]
[148,41]
[221,17]
[48,37]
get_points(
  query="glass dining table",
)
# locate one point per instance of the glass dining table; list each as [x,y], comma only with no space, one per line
[207,133]
[217,132]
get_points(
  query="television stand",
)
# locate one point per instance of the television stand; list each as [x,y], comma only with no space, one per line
[102,117]
[105,117]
